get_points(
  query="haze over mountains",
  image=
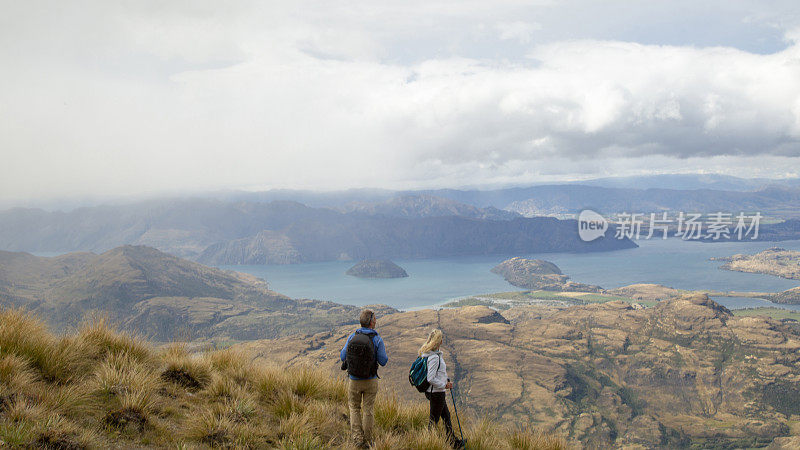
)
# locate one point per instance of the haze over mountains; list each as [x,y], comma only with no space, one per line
[220,232]
[266,228]
[501,197]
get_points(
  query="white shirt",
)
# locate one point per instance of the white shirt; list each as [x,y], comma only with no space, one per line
[437,371]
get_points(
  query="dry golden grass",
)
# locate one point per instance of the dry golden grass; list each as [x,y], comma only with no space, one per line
[100,389]
[102,340]
[481,435]
[393,415]
[16,374]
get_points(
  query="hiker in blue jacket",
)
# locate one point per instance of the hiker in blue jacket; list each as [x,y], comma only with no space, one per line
[360,356]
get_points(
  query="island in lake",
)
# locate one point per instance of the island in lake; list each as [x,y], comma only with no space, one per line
[539,274]
[377,268]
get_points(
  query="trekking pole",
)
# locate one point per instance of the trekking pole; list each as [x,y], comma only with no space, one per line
[455,409]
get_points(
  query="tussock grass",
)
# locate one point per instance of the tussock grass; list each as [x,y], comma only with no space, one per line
[68,400]
[209,427]
[182,368]
[16,374]
[242,408]
[302,442]
[269,382]
[388,441]
[286,404]
[23,410]
[393,415]
[102,340]
[16,434]
[55,360]
[222,387]
[428,439]
[99,389]
[480,435]
[527,439]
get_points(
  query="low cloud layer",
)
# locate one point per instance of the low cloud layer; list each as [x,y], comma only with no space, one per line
[97,98]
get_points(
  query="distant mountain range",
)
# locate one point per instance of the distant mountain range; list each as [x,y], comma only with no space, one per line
[501,197]
[426,205]
[780,198]
[245,228]
[480,197]
[159,295]
[570,199]
[219,232]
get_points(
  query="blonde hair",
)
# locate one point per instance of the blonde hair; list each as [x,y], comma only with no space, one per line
[433,343]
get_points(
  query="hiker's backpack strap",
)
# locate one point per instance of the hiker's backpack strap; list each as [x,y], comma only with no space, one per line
[438,365]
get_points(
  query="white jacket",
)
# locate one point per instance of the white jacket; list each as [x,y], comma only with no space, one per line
[437,371]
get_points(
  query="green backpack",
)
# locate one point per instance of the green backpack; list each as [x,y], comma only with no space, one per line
[418,374]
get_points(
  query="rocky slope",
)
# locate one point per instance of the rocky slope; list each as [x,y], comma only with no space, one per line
[265,247]
[772,261]
[607,375]
[539,274]
[377,268]
[158,295]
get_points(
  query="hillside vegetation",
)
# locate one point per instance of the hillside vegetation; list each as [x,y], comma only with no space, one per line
[97,388]
[159,295]
[683,373]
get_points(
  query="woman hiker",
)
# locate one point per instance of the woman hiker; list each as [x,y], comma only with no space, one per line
[437,377]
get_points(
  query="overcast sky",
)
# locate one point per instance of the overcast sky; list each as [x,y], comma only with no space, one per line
[108,98]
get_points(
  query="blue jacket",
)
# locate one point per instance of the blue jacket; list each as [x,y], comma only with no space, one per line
[380,350]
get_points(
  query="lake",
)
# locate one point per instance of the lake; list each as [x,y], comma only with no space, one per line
[671,262]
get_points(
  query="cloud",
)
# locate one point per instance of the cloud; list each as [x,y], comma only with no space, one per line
[521,32]
[159,97]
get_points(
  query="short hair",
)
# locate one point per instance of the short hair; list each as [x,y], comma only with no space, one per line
[366,317]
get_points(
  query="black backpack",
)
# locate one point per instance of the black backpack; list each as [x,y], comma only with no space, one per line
[360,355]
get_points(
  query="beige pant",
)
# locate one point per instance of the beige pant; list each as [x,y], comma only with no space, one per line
[361,398]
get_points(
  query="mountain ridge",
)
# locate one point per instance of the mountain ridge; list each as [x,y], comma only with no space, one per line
[225,233]
[159,295]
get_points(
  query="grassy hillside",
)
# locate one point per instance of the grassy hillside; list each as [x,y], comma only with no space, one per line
[159,295]
[684,373]
[97,388]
